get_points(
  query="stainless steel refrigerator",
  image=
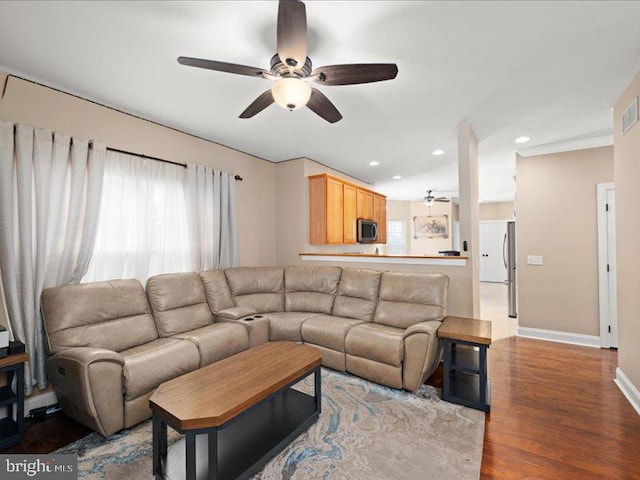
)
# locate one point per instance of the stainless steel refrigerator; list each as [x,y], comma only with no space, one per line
[509,257]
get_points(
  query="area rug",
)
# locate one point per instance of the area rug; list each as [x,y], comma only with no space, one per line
[366,431]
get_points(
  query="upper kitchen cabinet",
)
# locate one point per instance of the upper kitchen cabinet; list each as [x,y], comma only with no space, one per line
[334,207]
[380,216]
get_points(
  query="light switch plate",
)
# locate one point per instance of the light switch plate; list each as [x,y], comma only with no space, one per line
[534,259]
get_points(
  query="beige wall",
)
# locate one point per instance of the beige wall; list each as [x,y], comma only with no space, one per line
[292,205]
[627,179]
[556,205]
[429,246]
[32,104]
[496,211]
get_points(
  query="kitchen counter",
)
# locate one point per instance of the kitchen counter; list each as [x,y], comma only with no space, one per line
[390,259]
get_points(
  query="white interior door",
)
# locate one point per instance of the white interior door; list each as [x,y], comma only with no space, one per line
[493,266]
[607,265]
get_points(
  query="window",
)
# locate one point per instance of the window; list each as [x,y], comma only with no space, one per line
[396,237]
[142,230]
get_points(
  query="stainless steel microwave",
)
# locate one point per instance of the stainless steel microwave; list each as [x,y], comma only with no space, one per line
[367,231]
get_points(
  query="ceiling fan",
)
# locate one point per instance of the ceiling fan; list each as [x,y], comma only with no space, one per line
[291,70]
[430,198]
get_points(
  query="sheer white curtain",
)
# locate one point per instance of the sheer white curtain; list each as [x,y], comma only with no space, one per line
[211,206]
[143,223]
[50,191]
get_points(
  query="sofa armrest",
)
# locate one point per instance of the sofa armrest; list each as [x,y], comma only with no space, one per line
[258,328]
[235,313]
[429,328]
[422,350]
[89,386]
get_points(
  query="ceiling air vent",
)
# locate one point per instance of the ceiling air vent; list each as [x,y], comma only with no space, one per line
[630,116]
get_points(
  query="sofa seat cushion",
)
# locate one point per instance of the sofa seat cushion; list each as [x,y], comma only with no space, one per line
[376,342]
[217,341]
[147,366]
[328,331]
[287,325]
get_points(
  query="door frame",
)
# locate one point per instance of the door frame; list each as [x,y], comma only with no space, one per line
[603,275]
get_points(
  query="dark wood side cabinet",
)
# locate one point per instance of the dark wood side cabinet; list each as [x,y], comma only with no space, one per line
[465,381]
[12,431]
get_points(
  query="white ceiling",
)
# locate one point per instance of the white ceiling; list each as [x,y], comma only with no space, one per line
[550,70]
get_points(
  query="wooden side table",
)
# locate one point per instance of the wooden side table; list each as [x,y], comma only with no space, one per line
[465,382]
[12,431]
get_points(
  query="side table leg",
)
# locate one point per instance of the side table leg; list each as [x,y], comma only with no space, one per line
[159,446]
[483,378]
[20,406]
[446,386]
[190,443]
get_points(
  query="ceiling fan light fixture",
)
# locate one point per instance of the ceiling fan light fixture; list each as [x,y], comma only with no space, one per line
[291,93]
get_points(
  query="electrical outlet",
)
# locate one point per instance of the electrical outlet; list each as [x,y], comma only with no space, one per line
[534,260]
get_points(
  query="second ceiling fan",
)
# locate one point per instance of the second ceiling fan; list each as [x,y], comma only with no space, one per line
[291,70]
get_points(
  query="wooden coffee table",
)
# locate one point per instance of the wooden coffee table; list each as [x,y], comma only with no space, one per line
[236,414]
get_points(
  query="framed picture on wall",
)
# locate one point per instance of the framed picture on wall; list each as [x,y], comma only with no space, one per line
[431,226]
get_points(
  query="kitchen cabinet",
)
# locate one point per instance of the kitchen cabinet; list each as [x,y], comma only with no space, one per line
[349,212]
[368,205]
[334,207]
[380,216]
[360,196]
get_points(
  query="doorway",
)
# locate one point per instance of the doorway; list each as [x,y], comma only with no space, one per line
[494,289]
[607,268]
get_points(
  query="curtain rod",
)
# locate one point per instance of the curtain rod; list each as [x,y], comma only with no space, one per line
[237,177]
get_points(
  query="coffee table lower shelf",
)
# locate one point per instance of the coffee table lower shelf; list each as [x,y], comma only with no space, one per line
[244,444]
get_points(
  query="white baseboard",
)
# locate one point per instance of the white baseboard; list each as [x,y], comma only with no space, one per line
[628,389]
[561,337]
[38,401]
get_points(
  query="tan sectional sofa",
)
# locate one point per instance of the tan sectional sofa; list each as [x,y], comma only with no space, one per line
[112,345]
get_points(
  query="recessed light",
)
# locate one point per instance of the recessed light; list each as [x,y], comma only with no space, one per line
[374,163]
[397,177]
[438,152]
[522,139]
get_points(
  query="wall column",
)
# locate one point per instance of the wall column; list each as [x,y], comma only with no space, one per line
[468,186]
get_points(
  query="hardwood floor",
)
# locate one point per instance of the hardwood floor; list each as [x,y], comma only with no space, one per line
[555,414]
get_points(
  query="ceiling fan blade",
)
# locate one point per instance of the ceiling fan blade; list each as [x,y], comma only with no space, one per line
[323,107]
[259,104]
[352,74]
[442,199]
[222,66]
[292,32]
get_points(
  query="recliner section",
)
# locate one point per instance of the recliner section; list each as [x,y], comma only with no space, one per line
[112,344]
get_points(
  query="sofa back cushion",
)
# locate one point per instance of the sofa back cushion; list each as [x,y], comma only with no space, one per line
[260,288]
[408,298]
[216,290]
[114,315]
[357,293]
[310,289]
[178,303]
